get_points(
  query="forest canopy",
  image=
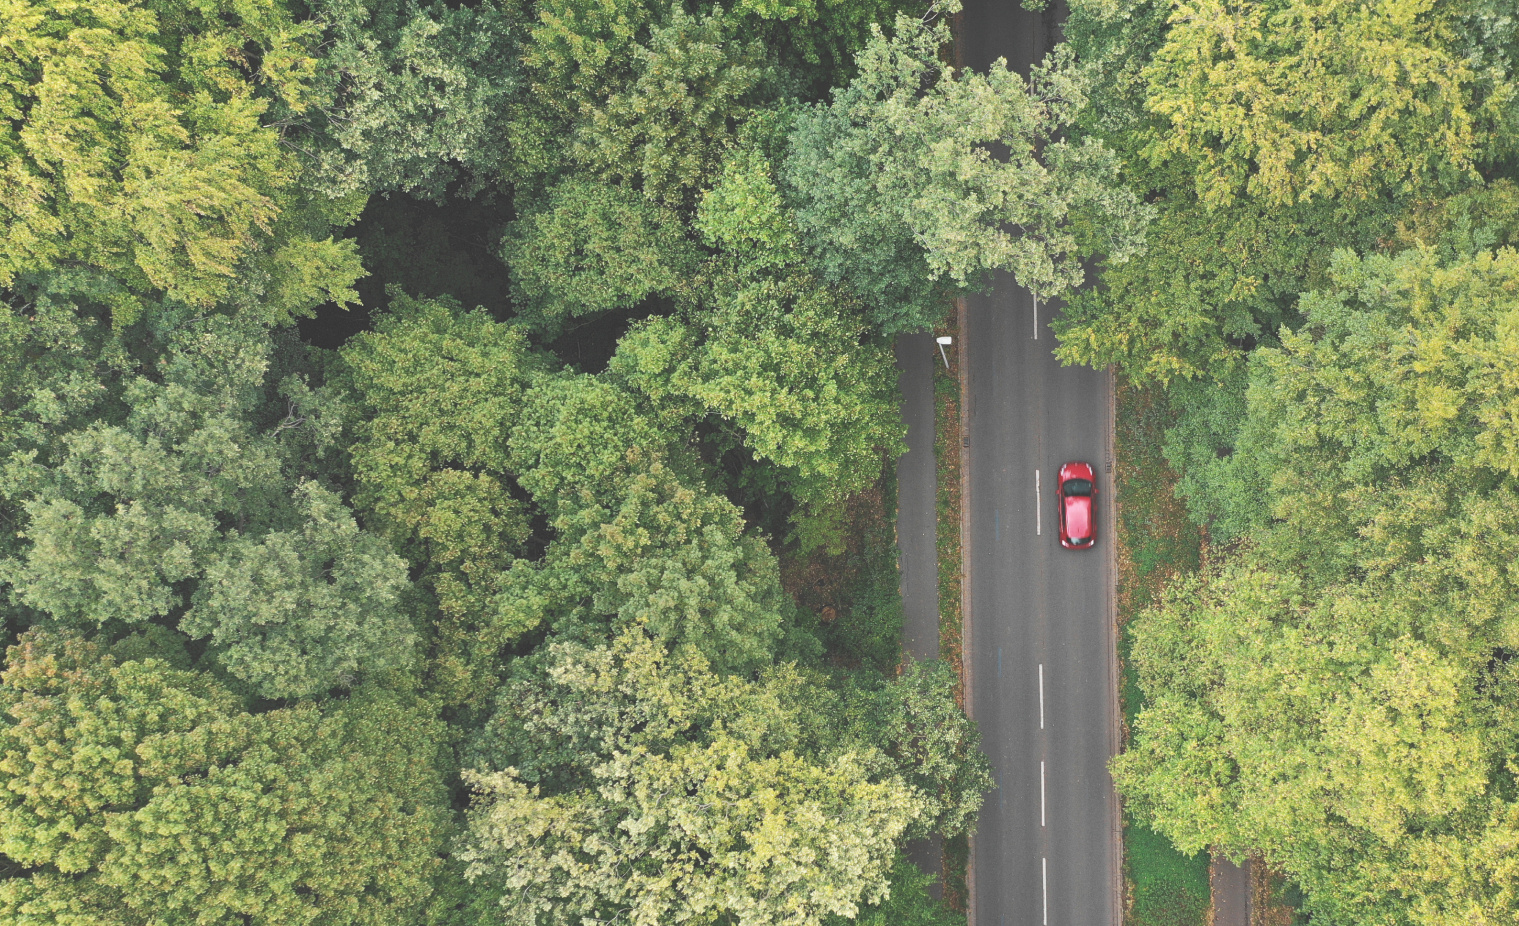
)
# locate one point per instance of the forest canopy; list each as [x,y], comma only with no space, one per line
[1327,302]
[365,628]
[422,427]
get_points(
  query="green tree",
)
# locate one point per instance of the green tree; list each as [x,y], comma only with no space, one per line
[1211,284]
[140,792]
[896,184]
[636,95]
[141,159]
[437,392]
[671,793]
[413,98]
[744,215]
[593,248]
[1404,367]
[639,538]
[791,364]
[668,129]
[188,500]
[1338,695]
[936,747]
[1293,99]
[908,902]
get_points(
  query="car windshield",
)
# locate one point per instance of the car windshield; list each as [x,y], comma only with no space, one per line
[1078,487]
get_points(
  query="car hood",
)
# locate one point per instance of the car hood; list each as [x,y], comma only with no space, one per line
[1078,517]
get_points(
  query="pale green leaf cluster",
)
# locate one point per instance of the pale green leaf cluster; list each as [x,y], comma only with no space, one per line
[636,782]
[889,172]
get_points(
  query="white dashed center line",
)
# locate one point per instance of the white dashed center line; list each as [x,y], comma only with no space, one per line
[1041,696]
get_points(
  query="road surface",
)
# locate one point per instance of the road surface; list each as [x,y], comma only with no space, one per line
[918,555]
[917,517]
[1042,651]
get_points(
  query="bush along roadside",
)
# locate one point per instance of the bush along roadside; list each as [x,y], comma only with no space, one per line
[1155,542]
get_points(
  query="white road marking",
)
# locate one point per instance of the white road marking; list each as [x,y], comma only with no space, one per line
[1045,879]
[1041,696]
[1041,792]
[1036,319]
[1038,507]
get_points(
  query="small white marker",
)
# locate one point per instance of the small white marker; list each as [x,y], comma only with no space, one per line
[1041,792]
[1038,509]
[1041,696]
[1045,878]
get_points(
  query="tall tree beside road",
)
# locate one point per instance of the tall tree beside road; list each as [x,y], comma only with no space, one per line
[628,778]
[794,366]
[1268,133]
[1340,695]
[896,185]
[640,538]
[1289,100]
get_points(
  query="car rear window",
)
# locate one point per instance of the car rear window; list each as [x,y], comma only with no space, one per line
[1078,487]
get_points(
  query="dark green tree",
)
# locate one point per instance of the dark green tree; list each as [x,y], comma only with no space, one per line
[592,248]
[196,502]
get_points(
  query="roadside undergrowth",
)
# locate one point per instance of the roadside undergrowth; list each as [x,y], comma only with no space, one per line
[852,598]
[1155,543]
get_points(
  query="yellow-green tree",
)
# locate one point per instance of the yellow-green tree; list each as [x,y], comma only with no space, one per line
[633,781]
[136,791]
[1339,694]
[141,161]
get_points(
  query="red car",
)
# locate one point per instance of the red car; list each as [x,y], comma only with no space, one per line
[1077,492]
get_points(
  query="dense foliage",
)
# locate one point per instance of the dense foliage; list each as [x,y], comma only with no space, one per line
[493,614]
[450,625]
[1328,294]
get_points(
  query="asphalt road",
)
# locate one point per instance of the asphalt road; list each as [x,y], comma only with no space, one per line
[917,513]
[1042,660]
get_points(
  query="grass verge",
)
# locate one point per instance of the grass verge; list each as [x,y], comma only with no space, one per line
[947,446]
[1155,542]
